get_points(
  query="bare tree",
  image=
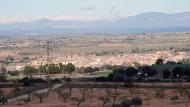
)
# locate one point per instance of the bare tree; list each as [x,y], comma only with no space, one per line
[132,91]
[115,96]
[3,99]
[78,100]
[41,96]
[160,94]
[108,92]
[83,91]
[65,96]
[59,92]
[104,100]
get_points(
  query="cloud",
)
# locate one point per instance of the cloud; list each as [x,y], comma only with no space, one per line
[89,8]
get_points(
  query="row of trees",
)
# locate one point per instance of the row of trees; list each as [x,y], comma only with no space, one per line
[122,73]
[50,69]
[161,61]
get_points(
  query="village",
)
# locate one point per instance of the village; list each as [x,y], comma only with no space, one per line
[98,61]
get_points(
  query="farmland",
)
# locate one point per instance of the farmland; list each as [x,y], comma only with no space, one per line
[96,49]
[92,96]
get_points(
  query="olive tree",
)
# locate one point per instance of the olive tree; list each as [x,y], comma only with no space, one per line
[78,100]
[65,96]
[104,100]
[41,96]
[136,101]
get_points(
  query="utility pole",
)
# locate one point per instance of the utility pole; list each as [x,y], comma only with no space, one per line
[48,61]
[48,54]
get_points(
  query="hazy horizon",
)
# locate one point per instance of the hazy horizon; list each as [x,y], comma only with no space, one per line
[22,10]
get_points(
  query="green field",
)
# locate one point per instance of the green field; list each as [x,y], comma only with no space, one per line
[102,73]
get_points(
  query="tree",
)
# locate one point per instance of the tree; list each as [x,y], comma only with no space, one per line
[181,90]
[59,92]
[78,100]
[108,92]
[43,69]
[131,71]
[68,84]
[174,98]
[178,72]
[116,105]
[69,68]
[117,77]
[65,96]
[126,103]
[53,69]
[160,94]
[3,99]
[104,100]
[187,92]
[61,67]
[132,91]
[83,91]
[25,60]
[41,96]
[166,73]
[9,59]
[28,70]
[115,96]
[88,70]
[110,77]
[150,71]
[136,101]
[185,61]
[171,62]
[159,62]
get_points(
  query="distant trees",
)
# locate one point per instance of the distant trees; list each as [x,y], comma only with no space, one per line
[184,61]
[166,73]
[50,68]
[107,67]
[178,72]
[25,60]
[120,73]
[69,68]
[53,69]
[88,70]
[28,70]
[60,68]
[148,71]
[159,62]
[131,71]
[9,59]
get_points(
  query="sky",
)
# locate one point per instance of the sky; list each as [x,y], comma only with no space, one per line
[13,10]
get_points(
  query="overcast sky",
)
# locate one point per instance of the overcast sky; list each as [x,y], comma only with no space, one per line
[86,9]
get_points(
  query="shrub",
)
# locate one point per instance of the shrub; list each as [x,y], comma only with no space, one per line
[126,103]
[136,101]
[174,98]
[116,105]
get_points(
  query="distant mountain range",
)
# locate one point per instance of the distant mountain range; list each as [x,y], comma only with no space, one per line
[141,23]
